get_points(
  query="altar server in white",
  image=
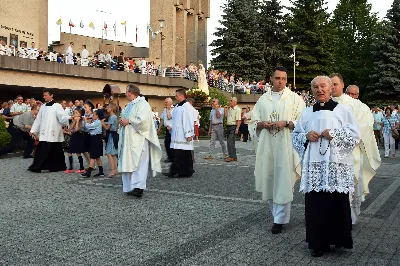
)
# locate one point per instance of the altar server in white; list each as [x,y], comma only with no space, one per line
[182,132]
[47,128]
[366,154]
[22,51]
[84,56]
[138,144]
[70,54]
[325,137]
[33,52]
[277,164]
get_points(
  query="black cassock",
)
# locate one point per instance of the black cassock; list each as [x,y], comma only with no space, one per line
[48,155]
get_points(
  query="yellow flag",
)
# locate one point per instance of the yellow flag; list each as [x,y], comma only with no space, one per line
[123,23]
[59,22]
[91,25]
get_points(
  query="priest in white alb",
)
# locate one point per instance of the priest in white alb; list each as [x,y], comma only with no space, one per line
[84,56]
[47,128]
[70,54]
[366,154]
[325,137]
[277,164]
[138,146]
[182,132]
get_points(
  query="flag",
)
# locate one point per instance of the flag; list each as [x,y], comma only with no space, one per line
[123,23]
[149,29]
[59,22]
[91,25]
[136,33]
[71,24]
[105,28]
[81,24]
[115,28]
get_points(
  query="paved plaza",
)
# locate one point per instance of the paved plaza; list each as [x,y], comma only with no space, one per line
[213,218]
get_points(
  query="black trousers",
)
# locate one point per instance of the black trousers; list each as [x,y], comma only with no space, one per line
[16,135]
[167,143]
[29,145]
[245,132]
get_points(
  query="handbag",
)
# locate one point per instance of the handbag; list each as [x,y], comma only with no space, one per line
[395,134]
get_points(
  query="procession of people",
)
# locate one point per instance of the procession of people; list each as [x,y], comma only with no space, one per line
[331,146]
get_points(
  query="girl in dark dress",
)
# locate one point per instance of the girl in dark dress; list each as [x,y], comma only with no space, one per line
[77,142]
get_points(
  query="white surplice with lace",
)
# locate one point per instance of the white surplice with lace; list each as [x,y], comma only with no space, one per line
[327,166]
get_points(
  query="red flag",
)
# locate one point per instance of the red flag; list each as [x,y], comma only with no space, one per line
[136,33]
[71,24]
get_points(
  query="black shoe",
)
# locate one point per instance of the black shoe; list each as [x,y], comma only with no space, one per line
[86,174]
[170,174]
[276,228]
[167,161]
[137,192]
[317,252]
[28,157]
[34,170]
[99,174]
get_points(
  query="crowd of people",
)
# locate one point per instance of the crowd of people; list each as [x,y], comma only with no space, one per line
[107,60]
[102,59]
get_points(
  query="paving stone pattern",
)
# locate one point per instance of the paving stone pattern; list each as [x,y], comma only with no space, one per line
[213,218]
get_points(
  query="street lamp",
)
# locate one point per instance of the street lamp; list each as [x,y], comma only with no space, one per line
[162,21]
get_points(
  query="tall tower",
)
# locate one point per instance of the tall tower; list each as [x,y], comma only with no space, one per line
[184,31]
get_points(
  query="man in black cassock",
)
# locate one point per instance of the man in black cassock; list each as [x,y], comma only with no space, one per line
[47,128]
[182,132]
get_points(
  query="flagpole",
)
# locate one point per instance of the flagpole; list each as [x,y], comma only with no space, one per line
[102,22]
[70,29]
[125,30]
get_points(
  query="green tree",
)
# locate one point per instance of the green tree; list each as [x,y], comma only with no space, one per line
[355,27]
[272,26]
[238,47]
[385,76]
[308,28]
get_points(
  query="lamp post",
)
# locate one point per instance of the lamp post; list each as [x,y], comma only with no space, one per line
[162,21]
[294,66]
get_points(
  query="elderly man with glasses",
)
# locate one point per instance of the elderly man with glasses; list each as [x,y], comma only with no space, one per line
[353,91]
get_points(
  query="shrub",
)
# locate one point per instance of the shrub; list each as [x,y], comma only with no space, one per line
[5,137]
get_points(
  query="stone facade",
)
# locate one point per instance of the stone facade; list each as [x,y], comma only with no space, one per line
[185,30]
[25,21]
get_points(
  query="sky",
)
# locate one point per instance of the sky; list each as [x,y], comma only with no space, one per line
[137,12]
